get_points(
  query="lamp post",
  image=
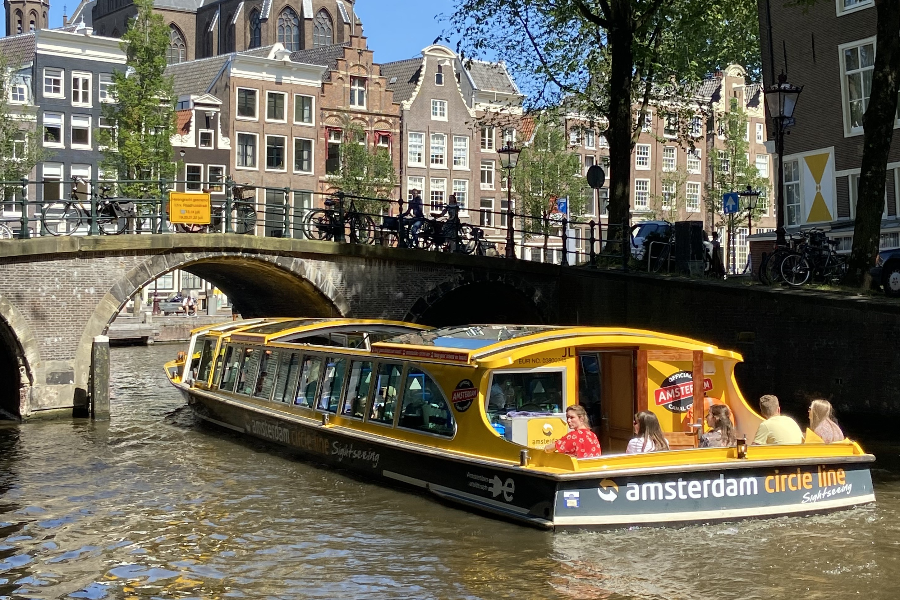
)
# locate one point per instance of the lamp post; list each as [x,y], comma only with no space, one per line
[509,157]
[752,197]
[781,98]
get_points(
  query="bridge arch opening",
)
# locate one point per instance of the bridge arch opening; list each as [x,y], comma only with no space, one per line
[481,302]
[13,374]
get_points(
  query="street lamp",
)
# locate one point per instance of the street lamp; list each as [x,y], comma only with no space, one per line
[781,98]
[752,197]
[509,157]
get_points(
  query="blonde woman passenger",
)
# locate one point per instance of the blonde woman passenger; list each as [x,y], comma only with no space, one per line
[822,422]
[649,436]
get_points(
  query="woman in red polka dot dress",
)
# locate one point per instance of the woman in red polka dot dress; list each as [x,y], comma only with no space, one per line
[581,441]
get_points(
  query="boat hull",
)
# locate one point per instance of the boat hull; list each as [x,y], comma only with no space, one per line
[549,500]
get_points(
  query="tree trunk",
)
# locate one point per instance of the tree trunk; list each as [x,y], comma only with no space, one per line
[878,124]
[620,128]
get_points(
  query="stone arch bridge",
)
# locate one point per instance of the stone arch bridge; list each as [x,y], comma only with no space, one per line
[56,294]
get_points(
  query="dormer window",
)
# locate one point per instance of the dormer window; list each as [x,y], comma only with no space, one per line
[439,76]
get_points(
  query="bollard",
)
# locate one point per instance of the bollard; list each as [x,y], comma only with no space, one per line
[99,389]
[626,245]
[593,252]
[24,233]
[163,206]
[523,458]
[229,197]
[287,213]
[94,228]
[565,243]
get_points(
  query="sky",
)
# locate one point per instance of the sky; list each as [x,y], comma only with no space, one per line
[396,29]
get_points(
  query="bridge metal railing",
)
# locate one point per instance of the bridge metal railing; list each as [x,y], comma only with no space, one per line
[78,207]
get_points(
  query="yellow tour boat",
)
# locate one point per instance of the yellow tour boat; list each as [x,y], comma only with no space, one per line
[465,413]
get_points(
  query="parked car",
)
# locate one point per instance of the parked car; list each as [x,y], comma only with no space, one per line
[886,272]
[641,231]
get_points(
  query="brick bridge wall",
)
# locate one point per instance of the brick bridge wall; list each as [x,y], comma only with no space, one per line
[56,294]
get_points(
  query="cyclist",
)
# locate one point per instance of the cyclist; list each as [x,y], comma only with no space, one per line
[414,216]
[451,228]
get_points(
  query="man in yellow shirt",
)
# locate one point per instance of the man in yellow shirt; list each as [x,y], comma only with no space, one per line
[777,428]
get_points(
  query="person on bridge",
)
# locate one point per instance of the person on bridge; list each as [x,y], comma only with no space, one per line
[414,215]
[777,428]
[452,226]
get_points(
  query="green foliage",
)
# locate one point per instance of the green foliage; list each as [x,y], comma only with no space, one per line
[366,171]
[139,147]
[20,143]
[547,170]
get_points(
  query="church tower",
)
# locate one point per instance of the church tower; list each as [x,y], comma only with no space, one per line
[23,16]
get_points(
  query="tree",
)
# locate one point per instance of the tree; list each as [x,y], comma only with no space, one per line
[364,171]
[607,54]
[733,173]
[138,146]
[20,144]
[547,170]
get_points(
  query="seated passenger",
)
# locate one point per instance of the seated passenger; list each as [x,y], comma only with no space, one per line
[821,421]
[496,398]
[649,435]
[777,428]
[722,435]
[581,442]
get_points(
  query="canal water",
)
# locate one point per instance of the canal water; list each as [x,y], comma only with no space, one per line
[154,505]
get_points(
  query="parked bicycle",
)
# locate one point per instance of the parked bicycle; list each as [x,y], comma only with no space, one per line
[66,217]
[770,269]
[330,224]
[814,260]
[243,214]
[5,232]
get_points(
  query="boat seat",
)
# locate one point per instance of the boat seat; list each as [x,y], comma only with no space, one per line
[680,441]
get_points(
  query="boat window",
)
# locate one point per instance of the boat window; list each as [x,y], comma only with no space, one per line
[386,385]
[232,363]
[332,383]
[536,391]
[249,364]
[309,380]
[358,389]
[286,377]
[221,361]
[424,407]
[266,378]
[206,359]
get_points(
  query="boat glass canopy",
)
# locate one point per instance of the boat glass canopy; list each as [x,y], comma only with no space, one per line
[471,337]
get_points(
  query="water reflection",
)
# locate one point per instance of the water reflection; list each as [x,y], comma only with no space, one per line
[152,505]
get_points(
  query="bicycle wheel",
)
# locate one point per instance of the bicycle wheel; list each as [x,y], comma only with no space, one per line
[662,259]
[110,224]
[317,225]
[5,232]
[244,218]
[795,270]
[362,229]
[770,271]
[63,218]
[423,239]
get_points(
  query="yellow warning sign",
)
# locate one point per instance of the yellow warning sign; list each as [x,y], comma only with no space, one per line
[189,208]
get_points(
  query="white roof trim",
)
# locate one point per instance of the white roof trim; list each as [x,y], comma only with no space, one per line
[266,10]
[343,10]
[237,13]
[215,19]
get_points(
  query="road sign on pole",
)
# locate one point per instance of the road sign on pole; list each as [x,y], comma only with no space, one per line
[730,203]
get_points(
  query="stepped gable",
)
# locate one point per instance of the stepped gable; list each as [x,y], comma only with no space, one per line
[327,56]
[402,77]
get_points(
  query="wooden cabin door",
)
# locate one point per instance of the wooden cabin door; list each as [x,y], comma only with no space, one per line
[606,391]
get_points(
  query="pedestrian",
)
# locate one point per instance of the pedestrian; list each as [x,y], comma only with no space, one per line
[777,428]
[716,266]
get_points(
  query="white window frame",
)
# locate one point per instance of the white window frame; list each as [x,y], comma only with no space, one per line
[841,10]
[461,152]
[213,188]
[590,141]
[197,185]
[212,139]
[437,185]
[434,156]
[237,155]
[647,125]
[312,156]
[487,138]
[849,130]
[461,186]
[105,85]
[642,159]
[237,95]
[798,195]
[696,126]
[485,213]
[669,189]
[18,88]
[62,130]
[760,133]
[488,167]
[358,92]
[59,74]
[85,122]
[312,110]
[669,163]
[411,153]
[285,106]
[414,183]
[694,157]
[438,110]
[285,158]
[689,195]
[764,172]
[82,77]
[645,194]
[670,132]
